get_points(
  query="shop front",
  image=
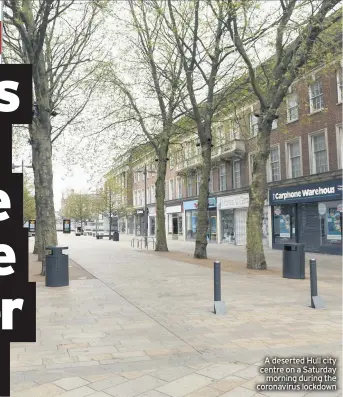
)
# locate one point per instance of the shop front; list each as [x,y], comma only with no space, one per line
[310,214]
[130,220]
[139,224]
[152,221]
[232,215]
[191,219]
[174,221]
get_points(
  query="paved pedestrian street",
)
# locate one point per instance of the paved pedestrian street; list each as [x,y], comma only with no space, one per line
[143,325]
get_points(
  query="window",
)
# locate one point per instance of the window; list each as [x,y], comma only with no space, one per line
[316,97]
[179,188]
[198,182]
[171,189]
[148,196]
[274,124]
[153,198]
[234,130]
[222,177]
[171,160]
[274,160]
[294,160]
[292,107]
[253,125]
[134,176]
[210,182]
[339,134]
[251,165]
[339,85]
[189,186]
[166,190]
[236,174]
[134,198]
[318,154]
[138,176]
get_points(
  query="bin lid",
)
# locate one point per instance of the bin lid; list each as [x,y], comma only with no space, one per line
[52,247]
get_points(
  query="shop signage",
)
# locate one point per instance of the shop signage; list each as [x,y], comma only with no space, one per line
[321,208]
[328,190]
[17,294]
[231,202]
[175,209]
[193,205]
[32,225]
[140,212]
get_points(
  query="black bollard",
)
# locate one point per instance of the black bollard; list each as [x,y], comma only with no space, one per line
[217,286]
[219,306]
[316,301]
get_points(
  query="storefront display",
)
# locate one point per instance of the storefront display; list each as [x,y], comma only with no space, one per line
[174,221]
[191,219]
[309,214]
[152,221]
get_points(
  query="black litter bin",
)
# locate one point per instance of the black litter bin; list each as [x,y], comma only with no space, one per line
[116,236]
[293,265]
[56,267]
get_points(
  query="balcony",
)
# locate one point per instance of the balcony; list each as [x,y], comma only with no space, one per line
[188,164]
[230,149]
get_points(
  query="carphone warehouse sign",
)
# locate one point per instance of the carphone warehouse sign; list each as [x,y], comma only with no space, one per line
[321,191]
[17,294]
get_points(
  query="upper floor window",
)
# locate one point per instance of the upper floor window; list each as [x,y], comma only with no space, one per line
[273,171]
[236,174]
[274,124]
[222,177]
[198,182]
[148,195]
[339,146]
[171,160]
[134,177]
[253,125]
[316,96]
[189,186]
[234,129]
[294,169]
[171,189]
[166,190]
[292,107]
[179,187]
[153,198]
[210,182]
[339,85]
[318,153]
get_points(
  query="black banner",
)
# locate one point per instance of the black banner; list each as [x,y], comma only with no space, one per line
[17,294]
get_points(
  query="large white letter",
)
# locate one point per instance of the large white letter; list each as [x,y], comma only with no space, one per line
[10,97]
[8,305]
[8,258]
[4,203]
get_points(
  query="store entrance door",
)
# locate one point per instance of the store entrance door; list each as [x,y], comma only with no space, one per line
[309,226]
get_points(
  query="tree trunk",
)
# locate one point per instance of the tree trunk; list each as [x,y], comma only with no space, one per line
[161,238]
[202,230]
[257,195]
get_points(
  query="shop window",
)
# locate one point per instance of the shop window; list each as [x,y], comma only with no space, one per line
[339,85]
[294,159]
[339,134]
[273,170]
[236,174]
[316,96]
[253,125]
[292,107]
[222,177]
[331,223]
[284,221]
[318,153]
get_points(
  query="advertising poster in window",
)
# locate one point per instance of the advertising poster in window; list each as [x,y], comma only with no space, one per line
[334,224]
[285,230]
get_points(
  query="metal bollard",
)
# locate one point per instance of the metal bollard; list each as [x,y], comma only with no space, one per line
[217,282]
[219,306]
[316,301]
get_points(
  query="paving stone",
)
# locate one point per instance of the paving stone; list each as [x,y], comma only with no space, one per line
[46,390]
[205,392]
[220,371]
[134,387]
[239,392]
[108,382]
[172,373]
[71,383]
[228,383]
[80,392]
[186,385]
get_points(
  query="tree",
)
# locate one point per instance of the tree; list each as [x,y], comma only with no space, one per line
[58,49]
[148,101]
[78,206]
[298,27]
[111,198]
[28,203]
